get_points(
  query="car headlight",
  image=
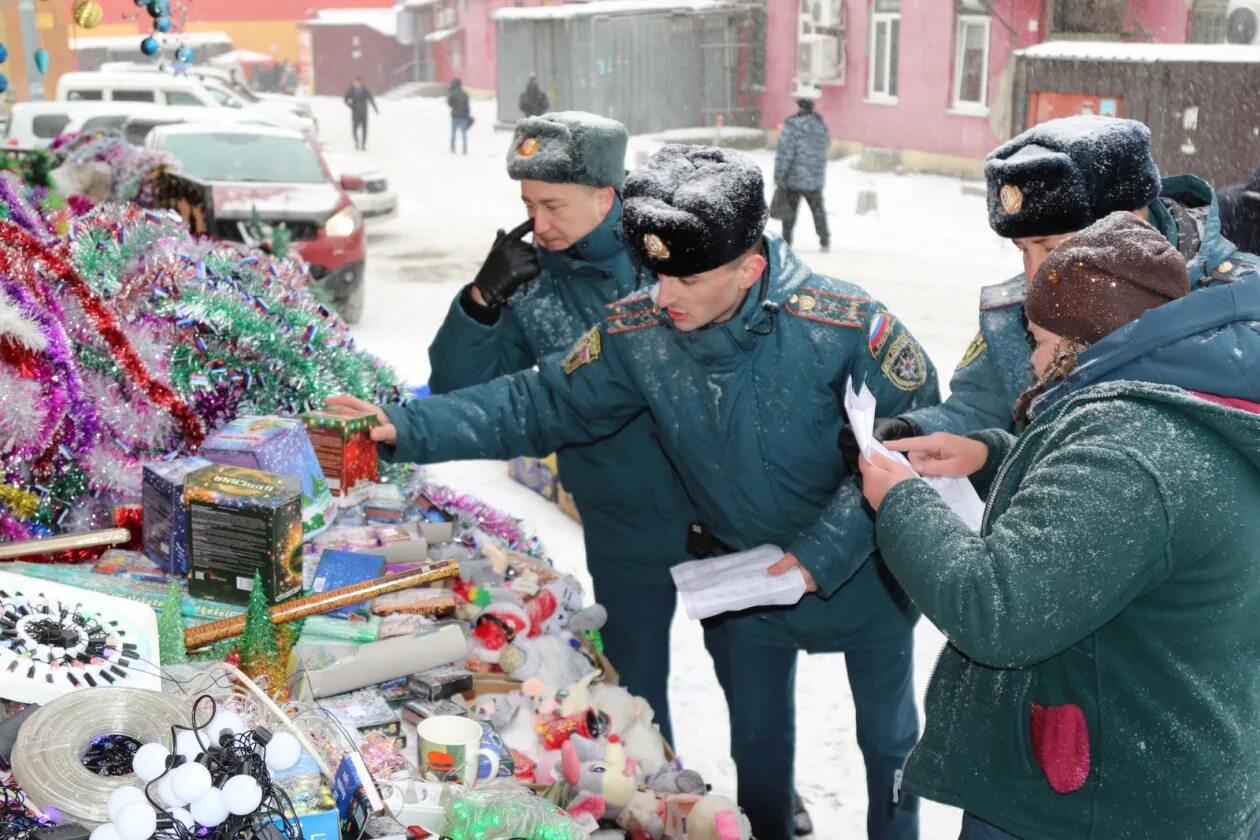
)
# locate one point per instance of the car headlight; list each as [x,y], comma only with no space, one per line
[344,222]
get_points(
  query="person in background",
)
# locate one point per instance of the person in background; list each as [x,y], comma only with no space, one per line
[461,112]
[357,100]
[532,300]
[800,168]
[1100,674]
[1240,213]
[534,101]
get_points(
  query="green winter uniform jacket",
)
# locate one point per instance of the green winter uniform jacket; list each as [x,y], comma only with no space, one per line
[635,514]
[748,411]
[994,370]
[1101,678]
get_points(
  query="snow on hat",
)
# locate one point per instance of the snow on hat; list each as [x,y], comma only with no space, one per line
[1065,174]
[690,209]
[1104,277]
[569,147]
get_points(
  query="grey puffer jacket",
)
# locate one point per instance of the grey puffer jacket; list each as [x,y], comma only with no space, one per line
[801,160]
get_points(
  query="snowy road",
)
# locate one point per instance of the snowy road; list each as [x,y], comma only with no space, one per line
[925,253]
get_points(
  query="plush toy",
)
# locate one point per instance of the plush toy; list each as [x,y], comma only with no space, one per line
[717,818]
[554,659]
[673,779]
[558,607]
[644,816]
[497,625]
[643,740]
[596,770]
[512,715]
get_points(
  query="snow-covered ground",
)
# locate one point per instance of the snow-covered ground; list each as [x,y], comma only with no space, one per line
[925,253]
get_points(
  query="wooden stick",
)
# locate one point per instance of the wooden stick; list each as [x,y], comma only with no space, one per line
[65,542]
[206,634]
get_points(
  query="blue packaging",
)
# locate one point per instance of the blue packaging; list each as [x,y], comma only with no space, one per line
[338,569]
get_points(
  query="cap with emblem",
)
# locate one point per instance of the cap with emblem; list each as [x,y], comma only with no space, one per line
[1061,176]
[569,147]
[1104,277]
[690,209]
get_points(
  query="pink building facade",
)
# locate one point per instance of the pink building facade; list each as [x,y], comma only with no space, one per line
[925,77]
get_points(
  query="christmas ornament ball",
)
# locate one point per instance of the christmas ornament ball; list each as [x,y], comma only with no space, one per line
[149,46]
[88,13]
[184,54]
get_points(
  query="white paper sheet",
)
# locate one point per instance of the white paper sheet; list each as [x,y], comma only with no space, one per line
[736,582]
[957,492]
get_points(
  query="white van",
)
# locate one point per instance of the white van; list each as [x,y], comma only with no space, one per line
[33,125]
[167,89]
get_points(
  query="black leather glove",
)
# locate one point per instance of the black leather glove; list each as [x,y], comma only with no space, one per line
[511,263]
[886,428]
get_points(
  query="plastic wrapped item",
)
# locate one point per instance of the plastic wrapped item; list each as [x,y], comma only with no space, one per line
[421,600]
[403,624]
[502,810]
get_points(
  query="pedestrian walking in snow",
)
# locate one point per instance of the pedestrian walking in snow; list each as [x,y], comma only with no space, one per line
[534,101]
[740,355]
[1049,182]
[1240,213]
[357,99]
[800,169]
[461,112]
[571,166]
[1100,678]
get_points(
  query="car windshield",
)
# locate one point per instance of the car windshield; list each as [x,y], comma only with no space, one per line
[243,92]
[235,156]
[224,96]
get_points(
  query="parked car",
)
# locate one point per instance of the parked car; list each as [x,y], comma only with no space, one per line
[282,176]
[165,89]
[366,185]
[33,125]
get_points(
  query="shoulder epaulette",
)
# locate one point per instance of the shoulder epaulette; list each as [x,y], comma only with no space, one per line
[1010,293]
[814,304]
[1234,269]
[636,312]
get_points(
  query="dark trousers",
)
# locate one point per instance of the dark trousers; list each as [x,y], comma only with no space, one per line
[815,202]
[974,828]
[759,683]
[358,126]
[636,640]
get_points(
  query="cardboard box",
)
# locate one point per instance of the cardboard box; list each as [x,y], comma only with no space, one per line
[341,438]
[314,806]
[337,569]
[538,474]
[277,445]
[242,521]
[162,496]
[564,500]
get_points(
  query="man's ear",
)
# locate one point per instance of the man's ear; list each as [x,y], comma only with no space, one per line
[606,195]
[751,270]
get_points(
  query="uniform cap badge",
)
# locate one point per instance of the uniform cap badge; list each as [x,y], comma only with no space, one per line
[528,147]
[655,247]
[1012,199]
[808,302]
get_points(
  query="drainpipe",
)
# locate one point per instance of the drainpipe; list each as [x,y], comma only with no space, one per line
[30,43]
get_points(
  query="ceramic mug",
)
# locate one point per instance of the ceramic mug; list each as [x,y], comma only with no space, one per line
[451,751]
[492,742]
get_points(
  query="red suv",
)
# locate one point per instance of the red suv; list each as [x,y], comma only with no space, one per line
[279,174]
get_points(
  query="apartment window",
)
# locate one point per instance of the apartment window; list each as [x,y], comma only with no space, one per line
[1209,23]
[885,35]
[971,62]
[1086,18]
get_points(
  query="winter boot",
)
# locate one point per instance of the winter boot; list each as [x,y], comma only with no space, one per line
[804,826]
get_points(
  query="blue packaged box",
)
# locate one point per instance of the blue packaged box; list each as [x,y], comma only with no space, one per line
[165,525]
[313,802]
[345,568]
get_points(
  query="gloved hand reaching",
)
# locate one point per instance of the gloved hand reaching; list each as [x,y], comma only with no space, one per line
[885,428]
[511,263]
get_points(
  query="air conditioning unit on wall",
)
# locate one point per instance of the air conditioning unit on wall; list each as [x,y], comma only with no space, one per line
[818,59]
[1242,22]
[448,18]
[824,14]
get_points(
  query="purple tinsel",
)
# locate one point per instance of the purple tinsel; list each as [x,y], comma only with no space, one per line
[20,210]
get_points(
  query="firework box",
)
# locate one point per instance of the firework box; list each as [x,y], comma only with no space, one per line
[276,445]
[312,799]
[341,438]
[242,521]
[165,541]
[346,568]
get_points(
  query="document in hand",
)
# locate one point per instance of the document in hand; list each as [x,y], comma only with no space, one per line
[736,582]
[957,492]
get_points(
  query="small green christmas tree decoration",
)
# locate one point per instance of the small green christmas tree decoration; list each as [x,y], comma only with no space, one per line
[171,628]
[274,239]
[260,652]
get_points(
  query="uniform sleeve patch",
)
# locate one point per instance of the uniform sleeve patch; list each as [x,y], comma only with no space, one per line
[638,318]
[583,353]
[904,364]
[880,331]
[974,351]
[829,308]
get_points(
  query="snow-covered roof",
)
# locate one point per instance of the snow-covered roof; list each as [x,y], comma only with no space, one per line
[1117,51]
[384,21]
[420,4]
[192,39]
[442,34]
[608,7]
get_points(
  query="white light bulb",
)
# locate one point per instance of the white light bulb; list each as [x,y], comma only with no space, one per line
[188,745]
[105,831]
[121,798]
[137,821]
[283,751]
[225,719]
[184,817]
[243,795]
[150,761]
[189,782]
[210,809]
[166,793]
